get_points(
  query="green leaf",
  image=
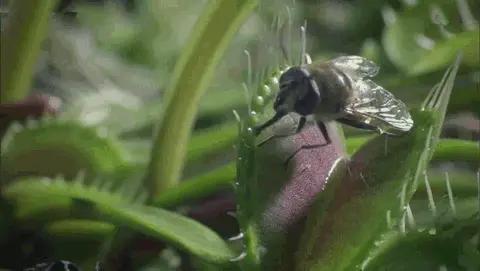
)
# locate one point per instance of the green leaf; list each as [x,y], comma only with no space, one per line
[231,99]
[212,140]
[399,41]
[78,240]
[198,187]
[51,147]
[204,143]
[178,230]
[21,41]
[383,177]
[444,52]
[209,108]
[417,45]
[447,149]
[466,208]
[428,250]
[193,72]
[444,237]
[79,228]
[223,177]
[450,149]
[117,208]
[463,184]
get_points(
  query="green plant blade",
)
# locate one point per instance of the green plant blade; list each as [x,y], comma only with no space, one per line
[78,240]
[198,187]
[116,208]
[293,171]
[443,53]
[21,41]
[415,44]
[193,72]
[463,184]
[209,108]
[204,143]
[79,228]
[178,230]
[223,177]
[384,176]
[435,233]
[50,147]
[451,247]
[447,149]
[212,140]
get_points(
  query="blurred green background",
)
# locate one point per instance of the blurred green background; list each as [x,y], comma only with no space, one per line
[110,63]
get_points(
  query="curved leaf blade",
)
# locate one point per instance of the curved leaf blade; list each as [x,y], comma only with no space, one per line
[444,52]
[21,43]
[193,72]
[115,208]
[51,147]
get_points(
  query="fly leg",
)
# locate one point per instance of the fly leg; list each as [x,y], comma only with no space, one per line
[301,124]
[285,164]
[324,131]
[268,123]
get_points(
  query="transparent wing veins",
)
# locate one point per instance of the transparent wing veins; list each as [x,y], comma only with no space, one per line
[375,106]
[356,67]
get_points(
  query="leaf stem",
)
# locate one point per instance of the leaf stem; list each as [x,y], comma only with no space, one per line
[198,187]
[21,42]
[192,75]
[447,149]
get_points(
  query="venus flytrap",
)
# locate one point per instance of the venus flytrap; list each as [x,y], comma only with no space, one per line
[246,186]
[357,212]
[440,238]
[79,148]
[221,178]
[422,250]
[279,174]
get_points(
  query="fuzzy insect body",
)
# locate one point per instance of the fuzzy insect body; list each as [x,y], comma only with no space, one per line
[340,90]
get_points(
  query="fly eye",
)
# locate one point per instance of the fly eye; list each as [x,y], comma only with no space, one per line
[278,101]
[288,84]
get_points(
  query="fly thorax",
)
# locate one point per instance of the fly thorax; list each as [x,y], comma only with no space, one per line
[335,91]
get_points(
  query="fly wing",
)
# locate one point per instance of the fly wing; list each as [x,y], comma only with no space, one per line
[356,67]
[373,106]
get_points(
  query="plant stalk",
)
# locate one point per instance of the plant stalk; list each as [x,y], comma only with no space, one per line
[21,41]
[192,75]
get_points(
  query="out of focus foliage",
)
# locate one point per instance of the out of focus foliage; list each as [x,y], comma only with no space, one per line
[75,184]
